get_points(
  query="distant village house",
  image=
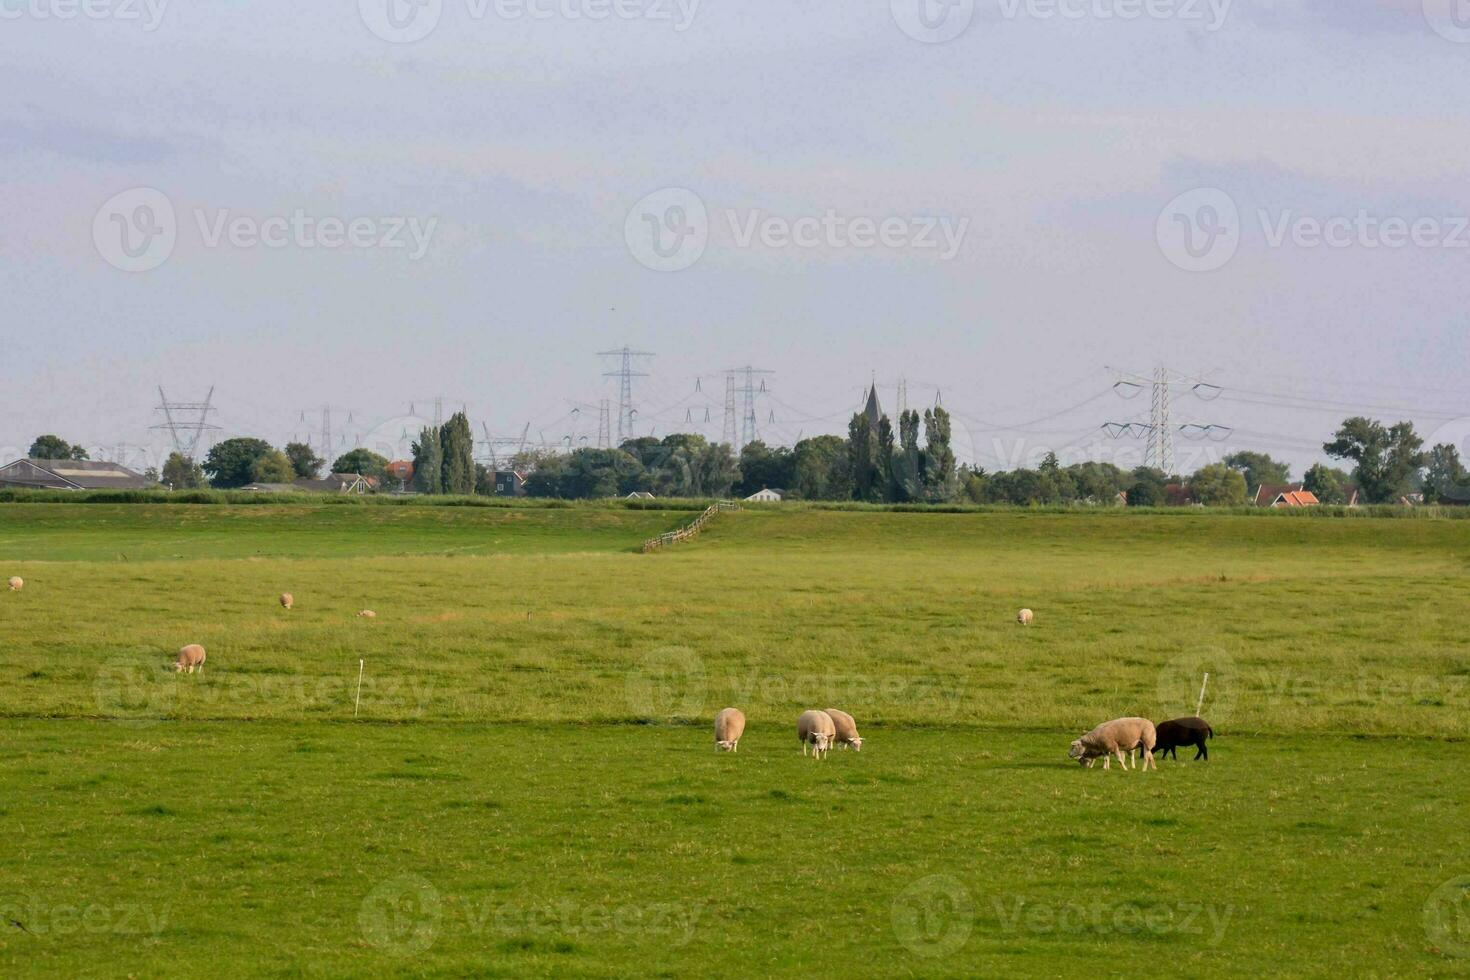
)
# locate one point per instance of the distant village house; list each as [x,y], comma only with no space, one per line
[341,483]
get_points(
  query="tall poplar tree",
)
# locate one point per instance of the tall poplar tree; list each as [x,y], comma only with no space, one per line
[457,447]
[428,461]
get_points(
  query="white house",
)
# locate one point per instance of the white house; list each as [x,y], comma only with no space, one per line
[765,496]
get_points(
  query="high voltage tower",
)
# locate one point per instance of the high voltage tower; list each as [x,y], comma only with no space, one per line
[185,422]
[625,375]
[727,436]
[748,431]
[1160,430]
[604,424]
[1160,451]
[515,444]
[438,400]
[328,442]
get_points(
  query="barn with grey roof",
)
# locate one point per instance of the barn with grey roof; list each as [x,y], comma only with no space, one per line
[71,474]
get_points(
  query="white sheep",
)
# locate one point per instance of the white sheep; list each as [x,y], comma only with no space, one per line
[1025,616]
[846,729]
[367,614]
[16,583]
[1115,738]
[190,656]
[287,600]
[815,728]
[729,726]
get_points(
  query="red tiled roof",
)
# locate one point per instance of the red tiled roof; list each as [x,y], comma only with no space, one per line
[1268,493]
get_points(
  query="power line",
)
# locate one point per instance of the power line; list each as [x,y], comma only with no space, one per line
[1307,403]
[1016,426]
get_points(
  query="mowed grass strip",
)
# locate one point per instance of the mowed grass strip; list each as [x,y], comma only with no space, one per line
[162,532]
[1351,626]
[334,850]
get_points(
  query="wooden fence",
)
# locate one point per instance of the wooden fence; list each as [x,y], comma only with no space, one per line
[691,529]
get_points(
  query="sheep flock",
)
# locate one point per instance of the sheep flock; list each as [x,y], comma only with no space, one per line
[820,729]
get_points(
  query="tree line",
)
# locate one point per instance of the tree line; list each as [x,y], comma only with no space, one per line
[873,464]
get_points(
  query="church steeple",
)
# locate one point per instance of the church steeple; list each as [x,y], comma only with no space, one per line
[873,410]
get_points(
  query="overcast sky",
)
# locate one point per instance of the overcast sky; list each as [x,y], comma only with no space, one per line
[1008,205]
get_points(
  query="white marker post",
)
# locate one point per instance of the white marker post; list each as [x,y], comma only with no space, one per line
[1200,707]
[357,706]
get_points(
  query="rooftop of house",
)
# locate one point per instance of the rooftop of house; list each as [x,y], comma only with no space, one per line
[84,474]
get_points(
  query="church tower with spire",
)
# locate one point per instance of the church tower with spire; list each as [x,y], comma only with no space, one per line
[873,410]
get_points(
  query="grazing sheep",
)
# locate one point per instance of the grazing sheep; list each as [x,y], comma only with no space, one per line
[1114,738]
[847,733]
[287,600]
[367,614]
[729,726]
[190,657]
[1184,731]
[16,583]
[1025,616]
[815,728]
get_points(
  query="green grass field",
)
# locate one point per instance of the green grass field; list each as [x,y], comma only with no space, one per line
[530,785]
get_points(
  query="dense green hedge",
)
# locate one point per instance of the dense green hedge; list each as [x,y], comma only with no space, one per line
[1376,510]
[13,496]
[235,497]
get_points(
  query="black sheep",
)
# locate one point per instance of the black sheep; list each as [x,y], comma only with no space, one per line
[1184,731]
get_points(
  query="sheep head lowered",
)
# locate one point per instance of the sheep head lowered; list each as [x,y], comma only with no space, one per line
[847,731]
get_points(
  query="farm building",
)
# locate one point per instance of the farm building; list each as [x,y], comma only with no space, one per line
[334,483]
[639,495]
[509,483]
[1285,495]
[71,474]
[342,483]
[400,470]
[765,495]
[1179,495]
